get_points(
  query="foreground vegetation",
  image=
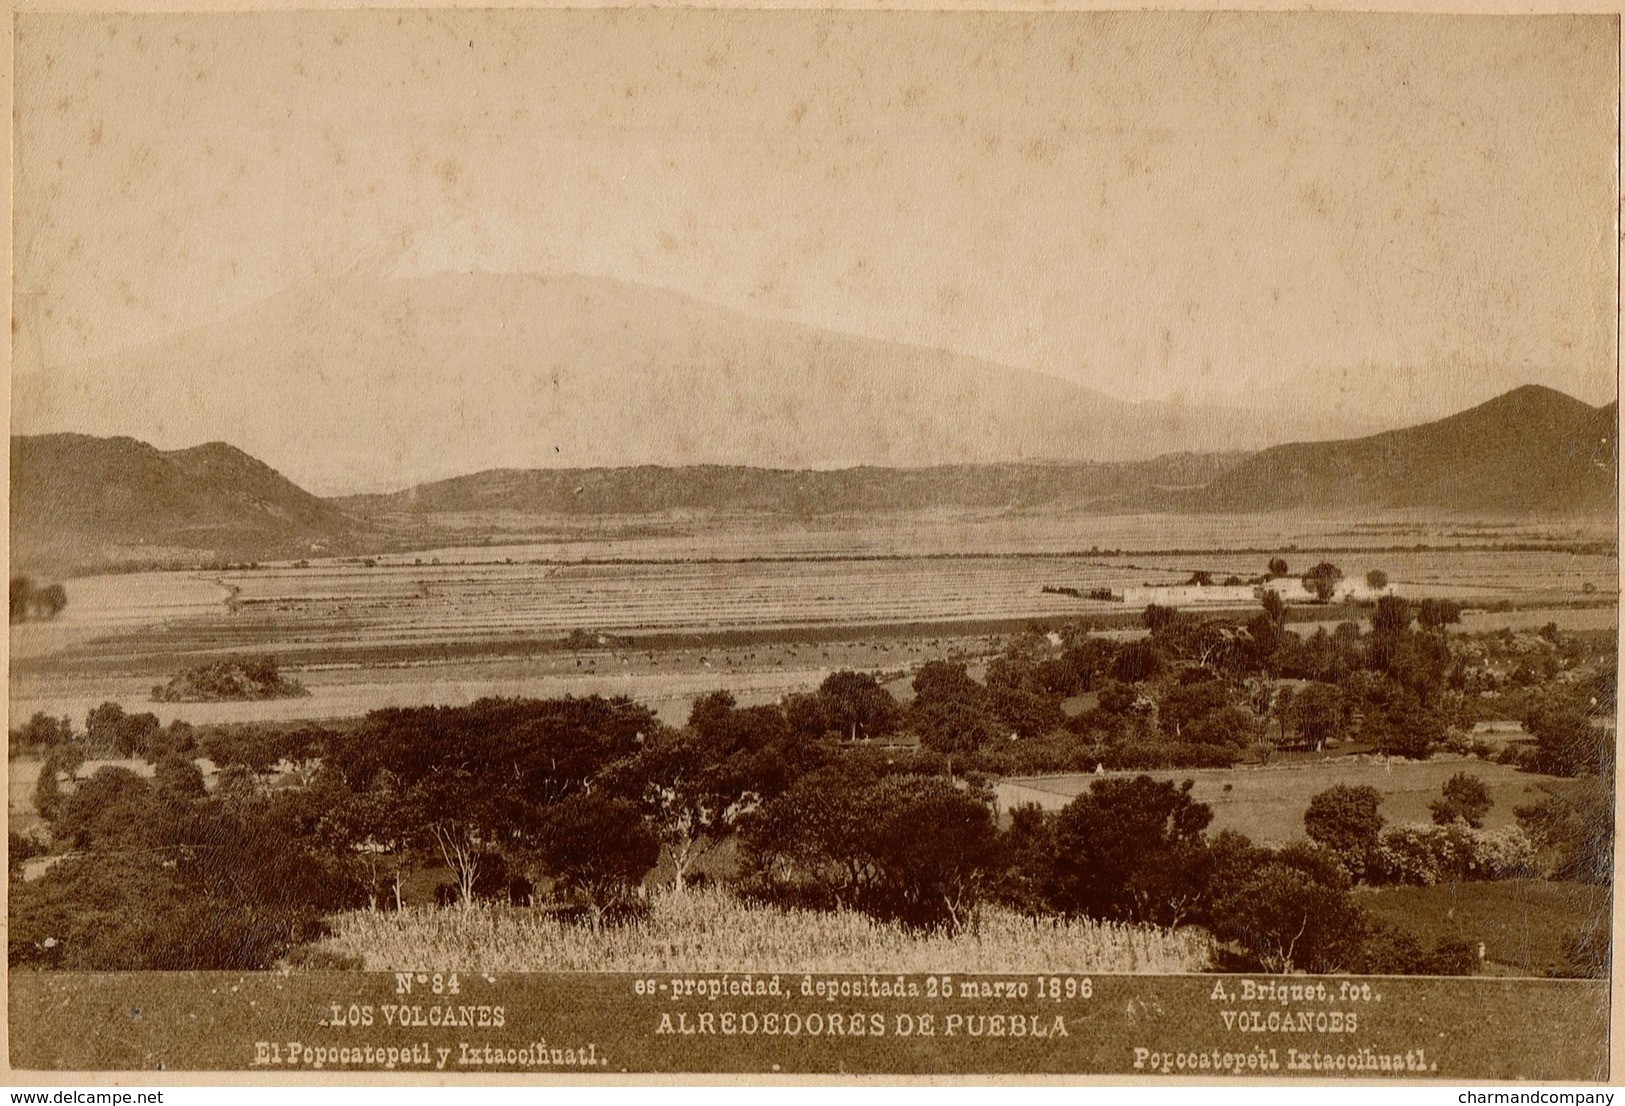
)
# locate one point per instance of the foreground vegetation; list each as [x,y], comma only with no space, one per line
[862,819]
[1532,927]
[712,929]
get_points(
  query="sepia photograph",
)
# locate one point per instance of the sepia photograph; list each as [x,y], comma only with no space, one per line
[586,543]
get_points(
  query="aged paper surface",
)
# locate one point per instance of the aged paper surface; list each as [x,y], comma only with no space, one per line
[590,544]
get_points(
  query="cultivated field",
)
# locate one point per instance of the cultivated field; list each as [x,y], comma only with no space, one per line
[1267,803]
[711,930]
[666,680]
[699,536]
[488,620]
[338,610]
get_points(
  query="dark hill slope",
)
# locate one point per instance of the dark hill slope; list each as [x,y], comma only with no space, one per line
[1530,450]
[79,501]
[644,489]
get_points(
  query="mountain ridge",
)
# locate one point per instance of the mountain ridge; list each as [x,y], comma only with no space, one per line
[644,489]
[1532,447]
[81,501]
[518,370]
[78,500]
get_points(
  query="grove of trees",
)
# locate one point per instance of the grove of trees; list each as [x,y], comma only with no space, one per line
[842,797]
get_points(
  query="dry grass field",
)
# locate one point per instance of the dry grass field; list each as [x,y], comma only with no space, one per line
[711,930]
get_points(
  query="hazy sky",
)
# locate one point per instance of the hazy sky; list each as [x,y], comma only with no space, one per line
[1149,204]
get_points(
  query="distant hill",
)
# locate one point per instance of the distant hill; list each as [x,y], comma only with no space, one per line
[1531,450]
[80,502]
[469,371]
[83,502]
[727,488]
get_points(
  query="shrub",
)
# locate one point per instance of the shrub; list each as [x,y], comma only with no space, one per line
[1426,855]
[1574,828]
[1588,951]
[1149,756]
[128,912]
[1464,798]
[1387,950]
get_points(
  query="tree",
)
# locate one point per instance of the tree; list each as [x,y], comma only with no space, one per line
[915,849]
[1567,741]
[952,713]
[41,733]
[599,847]
[28,602]
[1319,713]
[1288,909]
[1278,566]
[1435,614]
[1130,850]
[476,782]
[211,891]
[255,746]
[114,806]
[460,819]
[177,780]
[808,718]
[1376,579]
[1348,822]
[1322,580]
[1420,663]
[1026,849]
[49,601]
[1137,661]
[1392,617]
[1464,798]
[136,734]
[933,847]
[1274,607]
[1403,727]
[695,784]
[372,831]
[857,706]
[1204,713]
[180,737]
[812,841]
[101,725]
[1115,697]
